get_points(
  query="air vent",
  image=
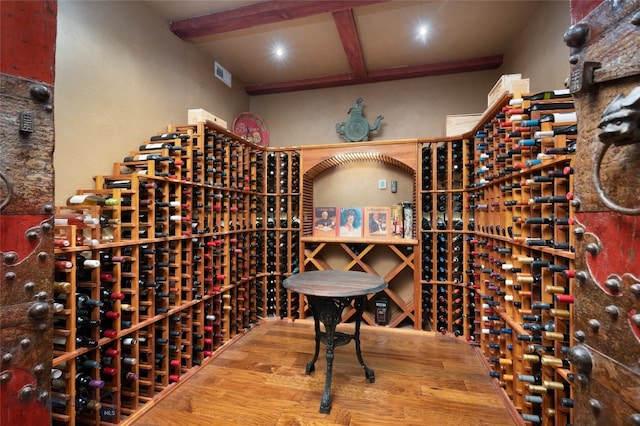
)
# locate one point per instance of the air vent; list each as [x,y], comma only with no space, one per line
[222,74]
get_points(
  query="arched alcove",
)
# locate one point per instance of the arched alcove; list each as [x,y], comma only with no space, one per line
[396,160]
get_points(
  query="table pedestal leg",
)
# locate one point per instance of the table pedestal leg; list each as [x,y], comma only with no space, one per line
[359,305]
[311,365]
[329,311]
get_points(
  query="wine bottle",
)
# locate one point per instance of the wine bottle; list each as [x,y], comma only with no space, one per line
[566,402]
[78,219]
[539,220]
[571,129]
[534,399]
[91,200]
[129,341]
[543,107]
[61,286]
[528,338]
[83,322]
[541,96]
[549,199]
[85,302]
[85,342]
[84,381]
[558,117]
[169,137]
[83,263]
[532,418]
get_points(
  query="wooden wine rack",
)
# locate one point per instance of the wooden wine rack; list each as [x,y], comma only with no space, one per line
[186,266]
[444,226]
[520,257]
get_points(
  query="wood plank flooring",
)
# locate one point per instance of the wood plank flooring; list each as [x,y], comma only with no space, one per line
[421,379]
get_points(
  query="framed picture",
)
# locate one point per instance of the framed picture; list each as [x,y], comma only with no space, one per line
[377,221]
[325,222]
[350,222]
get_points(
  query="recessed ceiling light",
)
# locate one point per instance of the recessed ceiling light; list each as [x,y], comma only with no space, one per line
[421,32]
[279,51]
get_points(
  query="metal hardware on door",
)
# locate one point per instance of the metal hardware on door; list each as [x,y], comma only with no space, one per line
[613,284]
[581,358]
[582,76]
[620,126]
[613,311]
[39,92]
[576,36]
[596,406]
[25,121]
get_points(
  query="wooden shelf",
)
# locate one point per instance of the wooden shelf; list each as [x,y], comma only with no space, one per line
[345,240]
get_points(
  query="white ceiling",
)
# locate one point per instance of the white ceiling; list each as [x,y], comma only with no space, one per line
[458,30]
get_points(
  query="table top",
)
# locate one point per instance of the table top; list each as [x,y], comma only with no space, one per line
[332,283]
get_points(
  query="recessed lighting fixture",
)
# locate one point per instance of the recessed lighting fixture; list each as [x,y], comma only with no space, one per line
[279,51]
[421,32]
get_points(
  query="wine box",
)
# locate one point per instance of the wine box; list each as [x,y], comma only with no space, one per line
[507,84]
[194,116]
[461,123]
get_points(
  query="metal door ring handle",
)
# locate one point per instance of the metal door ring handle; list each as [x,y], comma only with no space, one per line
[596,181]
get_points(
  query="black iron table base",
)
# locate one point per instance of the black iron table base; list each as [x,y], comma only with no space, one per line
[328,310]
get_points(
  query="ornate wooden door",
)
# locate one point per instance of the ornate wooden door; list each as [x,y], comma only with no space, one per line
[605,82]
[28,32]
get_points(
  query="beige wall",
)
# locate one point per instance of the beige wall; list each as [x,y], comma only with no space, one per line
[540,53]
[411,108]
[121,77]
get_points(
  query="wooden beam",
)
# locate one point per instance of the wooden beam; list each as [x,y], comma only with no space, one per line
[346,25]
[425,70]
[263,13]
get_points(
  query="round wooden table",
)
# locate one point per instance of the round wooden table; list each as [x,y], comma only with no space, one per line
[329,292]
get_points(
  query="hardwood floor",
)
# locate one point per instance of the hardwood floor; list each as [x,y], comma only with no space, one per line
[421,379]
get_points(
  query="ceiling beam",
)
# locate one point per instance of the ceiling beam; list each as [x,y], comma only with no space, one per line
[268,12]
[425,70]
[346,25]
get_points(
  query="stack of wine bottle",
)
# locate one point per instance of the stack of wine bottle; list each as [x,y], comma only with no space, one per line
[162,263]
[445,225]
[521,253]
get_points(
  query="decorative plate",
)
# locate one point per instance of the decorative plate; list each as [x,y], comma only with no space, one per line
[251,128]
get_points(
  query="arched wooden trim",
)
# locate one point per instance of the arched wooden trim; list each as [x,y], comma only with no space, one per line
[353,157]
